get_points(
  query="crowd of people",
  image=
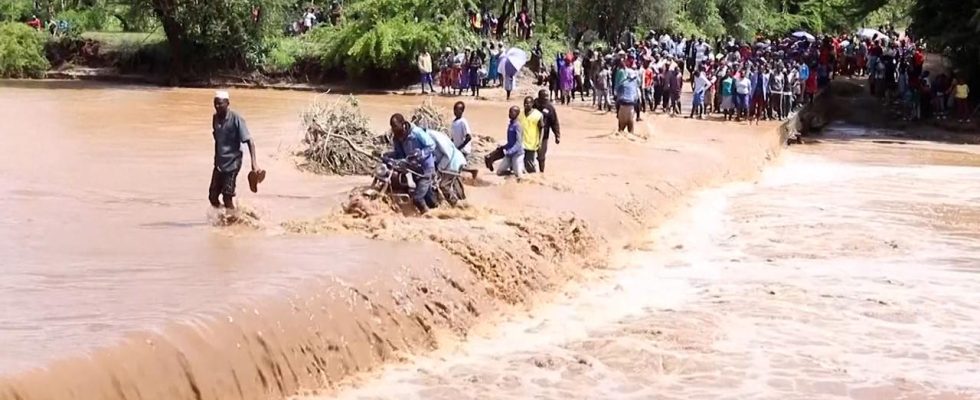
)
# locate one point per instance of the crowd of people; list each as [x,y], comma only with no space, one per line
[436,158]
[762,80]
[463,71]
[313,16]
[56,27]
[487,24]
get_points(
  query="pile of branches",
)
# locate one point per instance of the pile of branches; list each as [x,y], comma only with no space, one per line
[338,138]
[430,117]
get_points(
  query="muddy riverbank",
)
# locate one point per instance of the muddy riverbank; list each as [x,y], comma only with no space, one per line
[123,290]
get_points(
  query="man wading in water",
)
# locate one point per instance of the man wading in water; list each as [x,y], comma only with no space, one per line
[229,134]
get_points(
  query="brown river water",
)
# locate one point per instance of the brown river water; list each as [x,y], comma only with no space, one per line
[848,270]
[104,219]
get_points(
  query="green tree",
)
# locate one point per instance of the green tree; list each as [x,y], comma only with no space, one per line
[380,35]
[21,51]
[217,34]
[15,10]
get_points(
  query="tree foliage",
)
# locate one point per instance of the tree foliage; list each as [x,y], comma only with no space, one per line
[15,10]
[951,25]
[21,51]
[219,33]
[387,34]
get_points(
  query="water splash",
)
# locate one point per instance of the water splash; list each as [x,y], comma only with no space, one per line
[824,280]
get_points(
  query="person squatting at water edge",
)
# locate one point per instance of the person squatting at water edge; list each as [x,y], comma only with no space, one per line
[534,123]
[513,151]
[229,131]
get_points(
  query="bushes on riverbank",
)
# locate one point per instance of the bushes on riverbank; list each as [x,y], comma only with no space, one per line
[21,52]
[383,37]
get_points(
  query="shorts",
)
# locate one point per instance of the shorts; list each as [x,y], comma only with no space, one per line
[223,183]
[625,113]
[699,98]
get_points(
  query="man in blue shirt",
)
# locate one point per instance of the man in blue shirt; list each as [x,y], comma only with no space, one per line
[628,95]
[514,149]
[415,145]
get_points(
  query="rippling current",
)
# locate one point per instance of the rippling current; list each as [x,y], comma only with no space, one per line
[849,270]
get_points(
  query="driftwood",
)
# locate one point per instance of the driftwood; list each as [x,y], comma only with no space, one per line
[338,139]
[431,117]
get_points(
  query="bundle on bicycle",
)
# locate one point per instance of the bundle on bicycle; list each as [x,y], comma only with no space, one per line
[423,168]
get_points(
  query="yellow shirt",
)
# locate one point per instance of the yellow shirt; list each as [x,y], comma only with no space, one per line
[962,91]
[532,130]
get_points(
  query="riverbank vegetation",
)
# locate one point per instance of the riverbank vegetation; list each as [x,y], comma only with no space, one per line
[21,52]
[376,41]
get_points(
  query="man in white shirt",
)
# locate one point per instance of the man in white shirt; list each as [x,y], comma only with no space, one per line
[701,84]
[424,63]
[701,52]
[309,19]
[461,135]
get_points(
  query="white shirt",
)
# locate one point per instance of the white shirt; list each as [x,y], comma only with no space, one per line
[458,132]
[742,85]
[701,84]
[702,50]
[308,19]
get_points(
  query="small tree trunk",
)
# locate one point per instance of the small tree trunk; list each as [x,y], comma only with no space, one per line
[544,12]
[505,17]
[164,9]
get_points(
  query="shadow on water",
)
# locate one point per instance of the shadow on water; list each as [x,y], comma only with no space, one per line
[173,224]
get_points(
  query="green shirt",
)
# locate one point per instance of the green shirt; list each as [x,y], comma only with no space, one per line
[726,86]
[619,78]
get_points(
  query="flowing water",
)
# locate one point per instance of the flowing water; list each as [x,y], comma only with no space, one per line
[103,215]
[850,270]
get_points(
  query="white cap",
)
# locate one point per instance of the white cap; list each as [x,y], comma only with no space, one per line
[221,94]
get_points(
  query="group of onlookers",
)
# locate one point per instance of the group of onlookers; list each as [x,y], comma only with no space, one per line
[487,24]
[463,71]
[314,16]
[55,27]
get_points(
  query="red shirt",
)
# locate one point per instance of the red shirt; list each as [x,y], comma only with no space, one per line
[918,59]
[647,77]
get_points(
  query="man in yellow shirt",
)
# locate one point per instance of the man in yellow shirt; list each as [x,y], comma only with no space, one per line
[961,94]
[531,121]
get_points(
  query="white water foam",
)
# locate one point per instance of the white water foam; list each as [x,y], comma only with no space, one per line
[824,280]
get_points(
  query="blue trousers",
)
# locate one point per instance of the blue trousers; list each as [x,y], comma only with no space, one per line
[424,196]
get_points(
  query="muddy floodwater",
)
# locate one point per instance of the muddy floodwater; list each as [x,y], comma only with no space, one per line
[849,270]
[104,223]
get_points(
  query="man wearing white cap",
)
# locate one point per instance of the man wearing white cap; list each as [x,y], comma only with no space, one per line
[229,131]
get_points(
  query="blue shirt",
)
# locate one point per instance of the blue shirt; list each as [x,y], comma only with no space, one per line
[515,139]
[420,143]
[804,72]
[629,91]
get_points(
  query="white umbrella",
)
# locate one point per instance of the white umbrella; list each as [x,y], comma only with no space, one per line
[513,60]
[804,35]
[867,33]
